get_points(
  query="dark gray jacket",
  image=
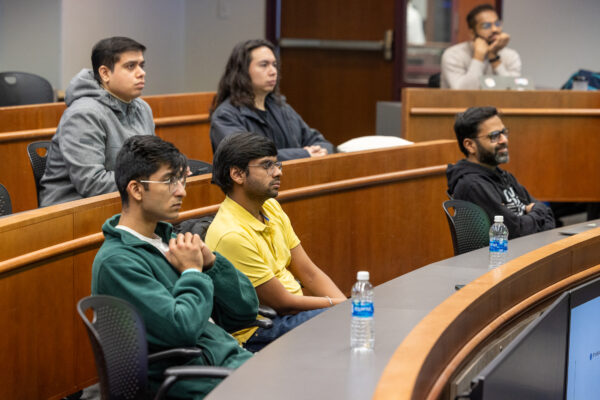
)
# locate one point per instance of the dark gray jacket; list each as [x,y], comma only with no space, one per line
[81,158]
[228,119]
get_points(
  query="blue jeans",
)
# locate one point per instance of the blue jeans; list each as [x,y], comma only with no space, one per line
[281,325]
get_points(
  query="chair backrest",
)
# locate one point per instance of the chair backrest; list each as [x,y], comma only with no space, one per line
[18,88]
[469,225]
[195,225]
[199,167]
[118,338]
[5,204]
[434,80]
[38,161]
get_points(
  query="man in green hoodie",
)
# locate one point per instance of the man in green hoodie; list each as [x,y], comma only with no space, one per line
[174,281]
[103,110]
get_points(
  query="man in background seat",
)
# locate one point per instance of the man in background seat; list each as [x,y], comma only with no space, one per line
[483,139]
[254,233]
[485,54]
[103,110]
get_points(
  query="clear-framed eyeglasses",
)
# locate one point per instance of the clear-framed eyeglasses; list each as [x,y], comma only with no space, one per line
[495,135]
[488,25]
[269,166]
[173,182]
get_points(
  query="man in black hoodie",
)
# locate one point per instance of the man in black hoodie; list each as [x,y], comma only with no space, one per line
[483,138]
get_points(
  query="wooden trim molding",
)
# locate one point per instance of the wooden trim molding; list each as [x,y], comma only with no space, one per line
[181,120]
[558,112]
[95,239]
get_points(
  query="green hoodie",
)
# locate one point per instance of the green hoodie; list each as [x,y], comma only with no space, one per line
[176,308]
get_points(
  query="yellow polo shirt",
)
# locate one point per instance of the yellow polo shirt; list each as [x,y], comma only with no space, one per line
[260,250]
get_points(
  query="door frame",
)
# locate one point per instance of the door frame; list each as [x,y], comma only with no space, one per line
[273,33]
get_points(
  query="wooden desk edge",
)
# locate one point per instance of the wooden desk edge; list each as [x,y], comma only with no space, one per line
[404,376]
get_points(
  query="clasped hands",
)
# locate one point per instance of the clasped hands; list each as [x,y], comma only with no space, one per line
[187,251]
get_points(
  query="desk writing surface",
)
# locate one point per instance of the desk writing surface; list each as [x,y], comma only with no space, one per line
[314,361]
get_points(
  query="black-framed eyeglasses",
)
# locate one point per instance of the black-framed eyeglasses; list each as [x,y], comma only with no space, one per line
[173,182]
[495,135]
[269,166]
[488,25]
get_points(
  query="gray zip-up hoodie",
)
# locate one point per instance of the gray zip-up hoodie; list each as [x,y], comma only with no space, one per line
[81,157]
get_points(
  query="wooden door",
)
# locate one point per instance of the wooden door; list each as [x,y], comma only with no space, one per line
[335,91]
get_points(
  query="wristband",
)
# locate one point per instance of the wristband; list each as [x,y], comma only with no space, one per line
[493,60]
[190,270]
[330,302]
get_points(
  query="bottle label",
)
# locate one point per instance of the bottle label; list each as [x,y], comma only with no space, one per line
[362,309]
[499,245]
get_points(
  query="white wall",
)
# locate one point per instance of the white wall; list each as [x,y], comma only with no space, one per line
[29,37]
[213,27]
[188,41]
[554,37]
[157,24]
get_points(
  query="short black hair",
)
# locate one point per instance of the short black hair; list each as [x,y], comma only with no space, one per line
[472,15]
[467,123]
[143,155]
[238,150]
[108,51]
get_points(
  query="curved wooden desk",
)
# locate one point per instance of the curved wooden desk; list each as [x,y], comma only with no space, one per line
[422,365]
[350,210]
[315,360]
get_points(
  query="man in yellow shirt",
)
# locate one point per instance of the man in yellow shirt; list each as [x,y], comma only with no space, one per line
[252,231]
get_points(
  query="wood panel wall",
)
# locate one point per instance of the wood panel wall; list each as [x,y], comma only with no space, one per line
[379,210]
[553,134]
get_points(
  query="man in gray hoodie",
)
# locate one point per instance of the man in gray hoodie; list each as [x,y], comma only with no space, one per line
[103,110]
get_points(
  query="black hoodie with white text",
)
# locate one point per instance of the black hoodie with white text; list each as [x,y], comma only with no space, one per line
[498,193]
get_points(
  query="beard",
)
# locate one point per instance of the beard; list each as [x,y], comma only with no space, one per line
[259,191]
[492,158]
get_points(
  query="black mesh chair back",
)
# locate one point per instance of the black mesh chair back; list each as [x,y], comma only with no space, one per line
[5,204]
[118,338]
[38,161]
[469,225]
[199,167]
[434,80]
[19,88]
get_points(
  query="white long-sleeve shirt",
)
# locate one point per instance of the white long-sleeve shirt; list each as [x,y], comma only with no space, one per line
[461,71]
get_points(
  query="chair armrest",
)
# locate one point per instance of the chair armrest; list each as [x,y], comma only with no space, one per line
[198,371]
[174,374]
[187,352]
[266,311]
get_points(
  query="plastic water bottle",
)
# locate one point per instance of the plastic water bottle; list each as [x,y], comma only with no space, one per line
[362,332]
[498,242]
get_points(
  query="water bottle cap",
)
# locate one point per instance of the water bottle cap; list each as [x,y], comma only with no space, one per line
[362,275]
[499,218]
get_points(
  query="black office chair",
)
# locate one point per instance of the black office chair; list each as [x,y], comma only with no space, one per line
[434,80]
[469,226]
[5,204]
[118,337]
[38,161]
[19,88]
[199,167]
